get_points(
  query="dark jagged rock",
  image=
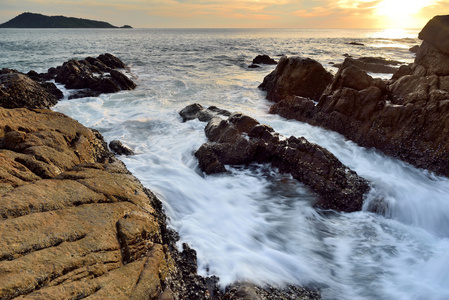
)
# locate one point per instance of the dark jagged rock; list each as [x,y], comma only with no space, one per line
[414,49]
[295,76]
[8,71]
[375,64]
[405,117]
[242,140]
[111,61]
[117,147]
[52,89]
[18,90]
[402,71]
[93,75]
[245,290]
[197,111]
[264,59]
[436,33]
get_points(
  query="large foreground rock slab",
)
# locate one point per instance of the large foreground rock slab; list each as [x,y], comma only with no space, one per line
[75,223]
[242,140]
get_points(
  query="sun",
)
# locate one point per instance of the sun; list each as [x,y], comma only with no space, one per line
[401,13]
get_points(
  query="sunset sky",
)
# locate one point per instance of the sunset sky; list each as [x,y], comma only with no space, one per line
[233,13]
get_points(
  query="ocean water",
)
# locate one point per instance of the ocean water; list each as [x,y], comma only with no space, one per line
[252,223]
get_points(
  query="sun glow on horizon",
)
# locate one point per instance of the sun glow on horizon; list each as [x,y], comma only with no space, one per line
[401,13]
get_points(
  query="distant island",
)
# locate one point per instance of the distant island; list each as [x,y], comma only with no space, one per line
[33,20]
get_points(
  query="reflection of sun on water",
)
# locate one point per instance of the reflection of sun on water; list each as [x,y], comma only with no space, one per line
[393,33]
[400,13]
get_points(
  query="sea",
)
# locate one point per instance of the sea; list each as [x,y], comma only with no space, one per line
[253,223]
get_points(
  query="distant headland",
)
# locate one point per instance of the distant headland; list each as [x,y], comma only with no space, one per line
[33,20]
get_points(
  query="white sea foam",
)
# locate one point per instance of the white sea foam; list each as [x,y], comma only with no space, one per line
[254,223]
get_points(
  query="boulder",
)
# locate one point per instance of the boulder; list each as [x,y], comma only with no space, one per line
[197,111]
[351,76]
[431,61]
[242,140]
[436,33]
[262,60]
[295,76]
[117,147]
[18,90]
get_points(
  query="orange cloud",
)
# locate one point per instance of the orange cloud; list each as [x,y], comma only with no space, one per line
[313,13]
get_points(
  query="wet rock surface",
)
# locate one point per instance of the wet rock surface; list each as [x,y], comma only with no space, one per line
[242,140]
[91,77]
[18,90]
[197,111]
[94,75]
[375,64]
[296,76]
[405,117]
[436,33]
[117,147]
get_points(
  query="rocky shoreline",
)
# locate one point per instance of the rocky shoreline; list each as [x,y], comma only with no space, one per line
[239,139]
[75,222]
[405,117]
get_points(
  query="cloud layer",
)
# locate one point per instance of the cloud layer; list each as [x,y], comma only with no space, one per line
[233,13]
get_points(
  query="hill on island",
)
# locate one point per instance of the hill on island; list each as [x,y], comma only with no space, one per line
[33,20]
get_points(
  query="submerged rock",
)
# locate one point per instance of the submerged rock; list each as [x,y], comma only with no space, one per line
[356,44]
[405,117]
[242,140]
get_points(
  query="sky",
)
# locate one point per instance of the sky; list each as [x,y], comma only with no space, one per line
[238,14]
